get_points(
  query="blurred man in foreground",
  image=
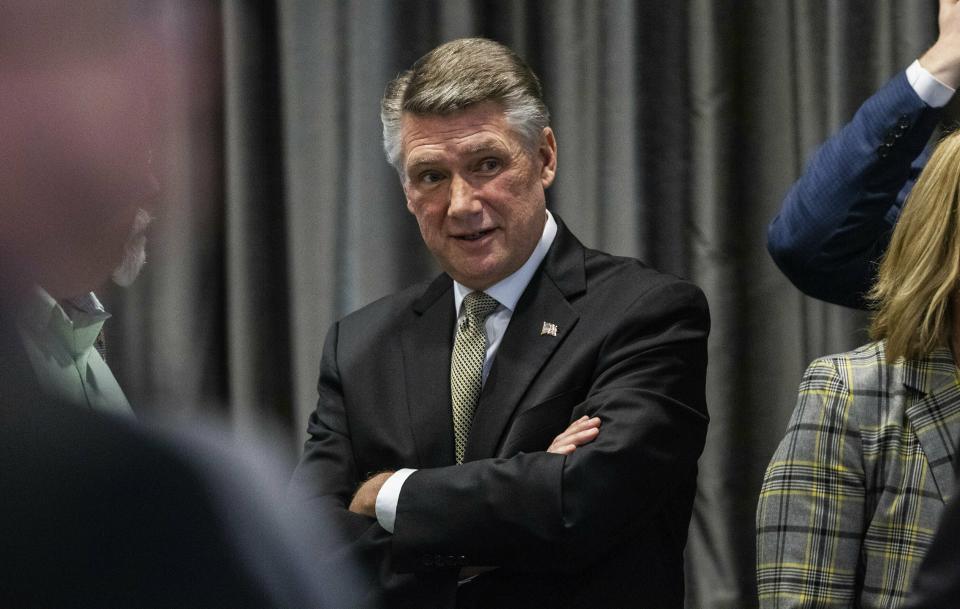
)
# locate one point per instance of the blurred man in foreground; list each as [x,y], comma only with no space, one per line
[95,510]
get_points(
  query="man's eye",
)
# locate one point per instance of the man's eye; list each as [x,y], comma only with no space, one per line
[431,177]
[489,165]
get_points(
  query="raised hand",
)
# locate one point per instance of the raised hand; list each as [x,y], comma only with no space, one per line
[942,60]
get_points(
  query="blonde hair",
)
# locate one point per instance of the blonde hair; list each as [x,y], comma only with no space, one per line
[915,287]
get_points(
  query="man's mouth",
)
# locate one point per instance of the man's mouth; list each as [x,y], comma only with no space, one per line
[474,236]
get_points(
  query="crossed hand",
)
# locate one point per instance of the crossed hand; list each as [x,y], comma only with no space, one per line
[582,431]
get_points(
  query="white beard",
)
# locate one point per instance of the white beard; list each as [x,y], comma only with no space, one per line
[134,251]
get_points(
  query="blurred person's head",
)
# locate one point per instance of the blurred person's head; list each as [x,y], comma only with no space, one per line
[916,291]
[77,110]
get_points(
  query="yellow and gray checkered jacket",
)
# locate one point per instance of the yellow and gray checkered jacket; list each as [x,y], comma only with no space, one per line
[854,492]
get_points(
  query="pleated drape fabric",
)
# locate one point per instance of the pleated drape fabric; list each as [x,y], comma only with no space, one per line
[680,126]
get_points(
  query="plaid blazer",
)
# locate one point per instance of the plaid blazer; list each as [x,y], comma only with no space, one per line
[854,492]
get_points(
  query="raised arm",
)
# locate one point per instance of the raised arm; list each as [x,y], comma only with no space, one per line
[836,219]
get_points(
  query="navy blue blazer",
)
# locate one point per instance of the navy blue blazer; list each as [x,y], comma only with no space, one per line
[836,220]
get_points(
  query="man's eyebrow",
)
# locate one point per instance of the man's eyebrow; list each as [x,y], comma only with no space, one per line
[484,146]
[428,159]
[491,145]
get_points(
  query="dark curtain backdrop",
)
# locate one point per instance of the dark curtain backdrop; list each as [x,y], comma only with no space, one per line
[680,126]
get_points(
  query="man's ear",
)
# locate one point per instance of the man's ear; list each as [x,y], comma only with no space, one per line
[548,156]
[406,193]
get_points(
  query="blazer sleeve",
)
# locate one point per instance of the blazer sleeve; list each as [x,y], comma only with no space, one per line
[323,485]
[540,511]
[810,517]
[936,585]
[835,221]
[327,474]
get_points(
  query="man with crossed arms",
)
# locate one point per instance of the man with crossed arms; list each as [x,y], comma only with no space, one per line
[522,431]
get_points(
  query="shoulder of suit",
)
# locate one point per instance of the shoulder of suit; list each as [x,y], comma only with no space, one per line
[862,369]
[871,354]
[389,306]
[635,274]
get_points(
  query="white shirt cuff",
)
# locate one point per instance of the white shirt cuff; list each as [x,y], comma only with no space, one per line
[933,92]
[389,497]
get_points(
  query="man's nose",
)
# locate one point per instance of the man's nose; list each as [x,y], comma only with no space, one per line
[463,199]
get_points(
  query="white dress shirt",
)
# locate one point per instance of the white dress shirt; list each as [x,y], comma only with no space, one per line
[506,292]
[59,341]
[933,92]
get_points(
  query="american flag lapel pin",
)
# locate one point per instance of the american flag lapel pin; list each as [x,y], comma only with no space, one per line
[548,329]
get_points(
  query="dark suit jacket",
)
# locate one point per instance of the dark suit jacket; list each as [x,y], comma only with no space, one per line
[97,511]
[604,527]
[836,220]
[937,583]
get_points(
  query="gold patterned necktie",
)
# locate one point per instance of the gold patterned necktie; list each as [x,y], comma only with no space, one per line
[466,365]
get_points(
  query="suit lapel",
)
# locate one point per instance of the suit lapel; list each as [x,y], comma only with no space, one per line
[426,343]
[522,354]
[526,347]
[935,417]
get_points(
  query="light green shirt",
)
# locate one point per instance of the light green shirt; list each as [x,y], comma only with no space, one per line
[59,343]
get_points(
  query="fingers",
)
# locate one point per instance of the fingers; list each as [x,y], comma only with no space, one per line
[583,436]
[576,429]
[582,431]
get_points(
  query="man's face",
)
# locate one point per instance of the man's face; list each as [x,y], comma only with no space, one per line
[75,136]
[477,192]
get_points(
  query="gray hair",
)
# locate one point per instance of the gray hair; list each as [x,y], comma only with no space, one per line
[459,74]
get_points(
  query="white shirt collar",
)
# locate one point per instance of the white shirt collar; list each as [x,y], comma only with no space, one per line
[41,306]
[508,290]
[90,304]
[74,325]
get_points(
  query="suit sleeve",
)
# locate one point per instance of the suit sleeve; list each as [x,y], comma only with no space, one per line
[836,219]
[540,511]
[936,585]
[323,485]
[327,475]
[810,517]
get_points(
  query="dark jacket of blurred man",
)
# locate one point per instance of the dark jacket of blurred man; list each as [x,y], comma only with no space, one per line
[95,510]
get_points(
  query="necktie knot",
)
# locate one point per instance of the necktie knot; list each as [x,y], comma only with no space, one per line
[479,306]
